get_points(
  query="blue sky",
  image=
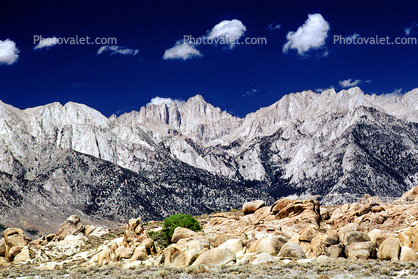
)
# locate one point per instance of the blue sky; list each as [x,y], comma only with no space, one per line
[151,58]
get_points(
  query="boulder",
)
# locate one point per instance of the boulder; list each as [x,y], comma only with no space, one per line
[325,214]
[309,211]
[2,247]
[148,246]
[235,245]
[347,228]
[269,244]
[332,238]
[123,253]
[252,206]
[104,256]
[71,226]
[389,249]
[143,250]
[13,252]
[378,208]
[260,214]
[261,259]
[308,233]
[360,250]
[354,237]
[184,253]
[113,246]
[88,229]
[292,250]
[405,240]
[134,233]
[410,195]
[139,254]
[280,204]
[377,236]
[408,254]
[99,232]
[180,233]
[3,261]
[335,251]
[14,241]
[412,233]
[318,245]
[69,246]
[215,257]
[23,255]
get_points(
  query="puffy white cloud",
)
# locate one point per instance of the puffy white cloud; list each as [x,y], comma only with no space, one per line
[226,32]
[117,50]
[46,42]
[158,101]
[349,82]
[9,53]
[181,50]
[311,35]
[229,31]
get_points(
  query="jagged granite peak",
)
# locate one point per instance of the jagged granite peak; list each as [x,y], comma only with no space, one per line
[196,118]
[335,145]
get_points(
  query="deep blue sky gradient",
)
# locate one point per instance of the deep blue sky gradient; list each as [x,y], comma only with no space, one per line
[119,83]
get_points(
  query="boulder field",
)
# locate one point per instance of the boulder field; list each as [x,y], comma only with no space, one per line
[287,230]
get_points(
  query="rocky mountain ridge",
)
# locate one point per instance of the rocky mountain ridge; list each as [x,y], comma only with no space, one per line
[339,146]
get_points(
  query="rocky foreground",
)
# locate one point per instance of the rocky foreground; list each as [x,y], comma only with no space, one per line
[290,239]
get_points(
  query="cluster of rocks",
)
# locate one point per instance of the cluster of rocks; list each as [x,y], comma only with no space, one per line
[288,230]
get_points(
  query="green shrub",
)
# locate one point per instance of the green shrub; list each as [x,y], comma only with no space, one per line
[2,227]
[158,237]
[179,220]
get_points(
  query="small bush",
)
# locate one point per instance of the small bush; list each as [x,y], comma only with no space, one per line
[179,220]
[158,237]
[2,227]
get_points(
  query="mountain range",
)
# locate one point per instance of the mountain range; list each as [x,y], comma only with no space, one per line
[57,160]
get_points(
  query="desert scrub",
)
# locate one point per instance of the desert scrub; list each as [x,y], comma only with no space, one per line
[179,220]
[158,237]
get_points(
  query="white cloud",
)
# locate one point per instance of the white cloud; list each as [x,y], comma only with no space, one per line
[411,29]
[395,93]
[367,81]
[117,50]
[320,90]
[311,35]
[158,101]
[349,82]
[46,42]
[274,27]
[8,52]
[352,36]
[181,50]
[250,92]
[229,31]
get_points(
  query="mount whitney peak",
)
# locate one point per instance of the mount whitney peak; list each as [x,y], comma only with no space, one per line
[56,160]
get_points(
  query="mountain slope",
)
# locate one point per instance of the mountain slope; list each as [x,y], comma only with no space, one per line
[196,158]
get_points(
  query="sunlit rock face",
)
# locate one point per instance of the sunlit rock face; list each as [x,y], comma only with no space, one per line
[339,146]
